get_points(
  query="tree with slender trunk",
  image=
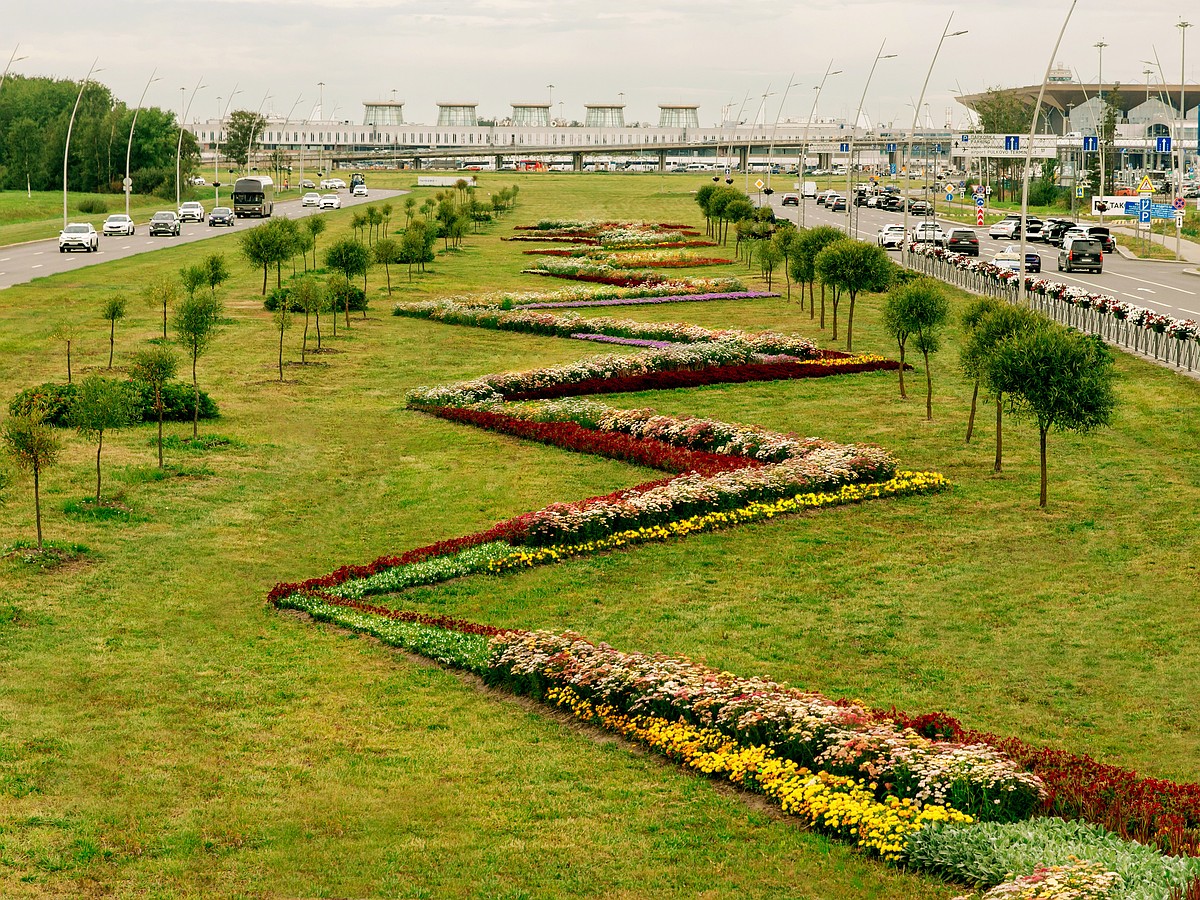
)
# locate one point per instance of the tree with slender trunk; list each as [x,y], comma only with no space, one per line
[350,257]
[193,278]
[196,322]
[410,207]
[386,210]
[162,293]
[895,324]
[337,287]
[114,309]
[374,221]
[809,245]
[282,316]
[67,333]
[316,227]
[1061,379]
[854,267]
[34,448]
[216,272]
[918,309]
[310,297]
[387,253]
[968,359]
[155,366]
[100,404]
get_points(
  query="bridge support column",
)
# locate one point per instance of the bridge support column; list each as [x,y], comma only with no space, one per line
[417,161]
[662,160]
[498,160]
[744,158]
[577,162]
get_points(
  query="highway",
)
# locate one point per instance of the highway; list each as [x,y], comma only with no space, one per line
[1165,287]
[20,263]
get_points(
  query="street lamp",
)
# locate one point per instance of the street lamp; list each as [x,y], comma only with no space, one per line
[550,88]
[1177,180]
[1099,45]
[1037,110]
[254,129]
[179,143]
[285,125]
[217,153]
[762,105]
[11,59]
[853,130]
[128,182]
[70,125]
[829,70]
[945,34]
[774,129]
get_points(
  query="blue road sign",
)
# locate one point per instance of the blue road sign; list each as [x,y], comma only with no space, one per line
[949,196]
[1162,145]
[1012,142]
[844,148]
[893,168]
[891,148]
[937,148]
[1091,144]
[962,184]
[1144,211]
[1162,211]
[966,139]
[979,200]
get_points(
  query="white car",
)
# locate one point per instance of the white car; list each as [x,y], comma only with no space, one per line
[78,236]
[1005,228]
[191,211]
[312,198]
[360,190]
[118,223]
[890,237]
[928,233]
[197,180]
[330,201]
[332,184]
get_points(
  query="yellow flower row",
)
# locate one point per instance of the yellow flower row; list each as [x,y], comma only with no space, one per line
[835,804]
[904,483]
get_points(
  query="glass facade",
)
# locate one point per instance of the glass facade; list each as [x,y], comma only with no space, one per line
[605,116]
[678,117]
[457,115]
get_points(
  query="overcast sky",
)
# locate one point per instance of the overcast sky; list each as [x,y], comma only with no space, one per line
[495,52]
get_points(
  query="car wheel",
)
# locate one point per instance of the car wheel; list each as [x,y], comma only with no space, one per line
[62,249]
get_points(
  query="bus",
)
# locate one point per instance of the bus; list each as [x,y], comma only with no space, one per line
[253,196]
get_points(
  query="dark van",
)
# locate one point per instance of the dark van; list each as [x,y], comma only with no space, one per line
[1081,253]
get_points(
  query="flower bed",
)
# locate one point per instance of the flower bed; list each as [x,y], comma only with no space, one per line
[666,298]
[609,234]
[661,257]
[627,342]
[579,269]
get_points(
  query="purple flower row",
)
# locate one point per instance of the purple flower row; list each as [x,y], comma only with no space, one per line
[638,301]
[631,342]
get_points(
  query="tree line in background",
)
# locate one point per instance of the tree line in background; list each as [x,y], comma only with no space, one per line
[34,115]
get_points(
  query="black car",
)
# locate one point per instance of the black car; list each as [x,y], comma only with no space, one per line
[892,203]
[1033,262]
[920,207]
[1053,231]
[837,204]
[221,215]
[962,240]
[1104,236]
[1081,253]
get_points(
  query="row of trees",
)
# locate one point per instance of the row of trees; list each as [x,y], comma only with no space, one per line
[34,114]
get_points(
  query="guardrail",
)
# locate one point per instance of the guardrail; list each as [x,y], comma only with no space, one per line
[1175,342]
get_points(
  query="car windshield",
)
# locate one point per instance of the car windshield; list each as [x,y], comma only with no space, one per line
[77,229]
[191,206]
[117,219]
[164,216]
[222,211]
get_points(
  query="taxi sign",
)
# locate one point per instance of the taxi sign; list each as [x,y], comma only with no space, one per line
[1145,186]
[759,183]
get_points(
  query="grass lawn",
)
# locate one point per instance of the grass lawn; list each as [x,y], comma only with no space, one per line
[164,734]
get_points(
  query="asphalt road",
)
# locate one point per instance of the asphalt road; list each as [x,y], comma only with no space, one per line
[20,263]
[1164,287]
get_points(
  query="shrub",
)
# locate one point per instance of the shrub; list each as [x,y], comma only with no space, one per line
[93,205]
[358,300]
[55,401]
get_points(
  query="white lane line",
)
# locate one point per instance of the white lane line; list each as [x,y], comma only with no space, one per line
[1147,290]
[6,259]
[1155,283]
[38,266]
[38,252]
[1181,309]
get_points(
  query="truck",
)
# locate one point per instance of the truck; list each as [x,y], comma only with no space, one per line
[810,190]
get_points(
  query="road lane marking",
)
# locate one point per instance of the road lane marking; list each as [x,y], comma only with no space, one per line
[38,266]
[1181,309]
[1147,290]
[1155,283]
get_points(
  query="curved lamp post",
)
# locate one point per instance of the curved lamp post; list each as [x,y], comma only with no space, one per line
[774,128]
[179,143]
[854,130]
[11,59]
[70,125]
[128,182]
[912,132]
[217,154]
[829,70]
[1177,180]
[253,134]
[286,120]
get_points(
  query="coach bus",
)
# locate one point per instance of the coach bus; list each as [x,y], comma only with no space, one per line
[253,196]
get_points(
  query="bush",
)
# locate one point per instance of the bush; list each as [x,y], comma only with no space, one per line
[93,205]
[358,300]
[56,401]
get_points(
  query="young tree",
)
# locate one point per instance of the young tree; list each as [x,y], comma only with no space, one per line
[114,309]
[316,227]
[338,287]
[804,268]
[310,297]
[162,291]
[216,272]
[282,316]
[386,211]
[193,278]
[242,129]
[67,332]
[387,253]
[769,259]
[155,366]
[785,239]
[412,245]
[358,222]
[270,244]
[196,321]
[100,404]
[33,447]
[410,207]
[918,309]
[968,354]
[855,267]
[350,257]
[1061,379]
[374,221]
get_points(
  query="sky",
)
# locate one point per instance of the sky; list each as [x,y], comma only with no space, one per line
[639,52]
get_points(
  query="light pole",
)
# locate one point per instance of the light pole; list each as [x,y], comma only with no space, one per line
[762,105]
[1037,110]
[774,128]
[1177,179]
[829,70]
[179,142]
[1099,45]
[945,34]
[11,59]
[217,153]
[255,128]
[288,119]
[70,125]
[128,182]
[854,129]
[550,88]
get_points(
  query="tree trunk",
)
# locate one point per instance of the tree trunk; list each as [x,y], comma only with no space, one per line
[281,327]
[388,273]
[164,320]
[319,327]
[158,405]
[195,400]
[1042,503]
[278,274]
[264,290]
[37,505]
[812,301]
[903,395]
[68,362]
[364,294]
[99,447]
[999,434]
[347,303]
[304,341]
[822,306]
[928,388]
[836,299]
[850,325]
[112,341]
[974,401]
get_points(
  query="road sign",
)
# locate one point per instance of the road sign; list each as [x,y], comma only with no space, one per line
[962,184]
[966,139]
[760,184]
[1178,203]
[1091,144]
[949,196]
[1079,192]
[937,148]
[1012,142]
[1162,211]
[891,148]
[979,200]
[1144,211]
[893,167]
[1179,218]
[844,147]
[1145,186]
[979,216]
[1162,145]
[127,183]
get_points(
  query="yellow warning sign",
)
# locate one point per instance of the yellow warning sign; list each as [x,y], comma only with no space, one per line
[759,184]
[1145,186]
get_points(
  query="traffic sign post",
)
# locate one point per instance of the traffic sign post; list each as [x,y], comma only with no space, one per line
[979,216]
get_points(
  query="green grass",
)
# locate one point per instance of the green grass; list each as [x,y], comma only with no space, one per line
[163,733]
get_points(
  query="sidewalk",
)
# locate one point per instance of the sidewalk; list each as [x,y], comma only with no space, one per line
[1189,251]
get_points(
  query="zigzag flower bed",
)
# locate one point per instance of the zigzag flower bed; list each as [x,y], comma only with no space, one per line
[671,290]
[655,259]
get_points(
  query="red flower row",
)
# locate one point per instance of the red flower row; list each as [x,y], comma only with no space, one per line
[685,378]
[649,452]
[1148,810]
[630,280]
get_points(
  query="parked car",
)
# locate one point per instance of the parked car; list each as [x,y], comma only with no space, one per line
[890,237]
[1010,227]
[330,201]
[892,203]
[824,196]
[191,211]
[78,236]
[312,198]
[920,207]
[118,223]
[790,200]
[332,184]
[1081,253]
[1052,232]
[308,184]
[1104,236]
[165,222]
[928,233]
[197,181]
[359,190]
[221,215]
[961,240]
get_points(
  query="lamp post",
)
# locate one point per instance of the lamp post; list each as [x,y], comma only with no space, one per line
[762,104]
[945,34]
[128,182]
[1037,109]
[285,125]
[550,88]
[179,142]
[254,130]
[217,154]
[853,130]
[11,59]
[1099,45]
[70,125]
[1177,179]
[829,70]
[774,129]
